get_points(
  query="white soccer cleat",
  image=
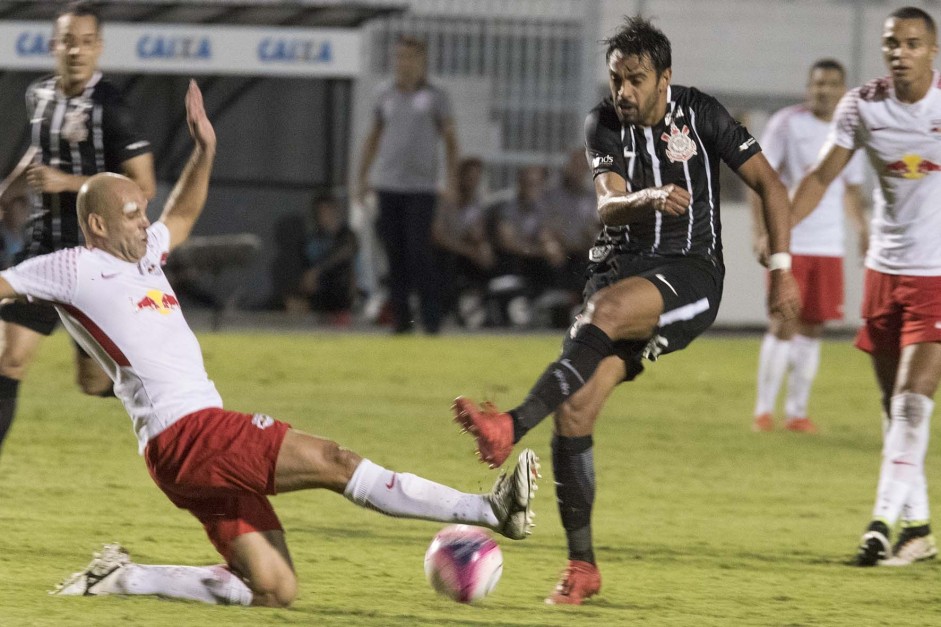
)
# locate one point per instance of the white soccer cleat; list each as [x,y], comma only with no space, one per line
[99,576]
[912,550]
[512,496]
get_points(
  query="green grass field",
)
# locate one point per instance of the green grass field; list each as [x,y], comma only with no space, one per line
[698,521]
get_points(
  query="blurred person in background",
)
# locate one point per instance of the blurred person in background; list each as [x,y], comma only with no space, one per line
[313,270]
[525,242]
[14,214]
[573,217]
[400,162]
[79,125]
[791,143]
[896,120]
[462,236]
[658,271]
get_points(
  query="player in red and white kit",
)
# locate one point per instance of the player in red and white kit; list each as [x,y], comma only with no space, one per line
[897,122]
[792,143]
[220,465]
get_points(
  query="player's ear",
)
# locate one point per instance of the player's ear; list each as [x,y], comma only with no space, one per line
[96,225]
[665,77]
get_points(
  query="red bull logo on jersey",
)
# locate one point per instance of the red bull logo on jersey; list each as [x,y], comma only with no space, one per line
[158,301]
[911,167]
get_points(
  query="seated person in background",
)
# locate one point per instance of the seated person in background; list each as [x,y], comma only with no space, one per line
[526,245]
[461,234]
[14,213]
[313,270]
[573,218]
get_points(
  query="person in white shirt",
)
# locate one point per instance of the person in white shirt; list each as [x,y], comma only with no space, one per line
[220,465]
[896,120]
[792,142]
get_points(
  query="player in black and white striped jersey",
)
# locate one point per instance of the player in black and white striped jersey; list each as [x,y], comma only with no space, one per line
[657,273]
[79,126]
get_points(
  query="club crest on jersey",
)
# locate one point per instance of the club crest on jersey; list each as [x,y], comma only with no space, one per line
[75,125]
[680,147]
[158,301]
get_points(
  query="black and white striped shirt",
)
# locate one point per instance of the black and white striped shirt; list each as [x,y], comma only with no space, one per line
[684,148]
[81,135]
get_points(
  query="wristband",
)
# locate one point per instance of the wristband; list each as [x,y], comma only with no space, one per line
[779,261]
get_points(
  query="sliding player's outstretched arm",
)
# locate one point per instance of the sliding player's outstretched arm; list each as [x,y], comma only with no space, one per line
[188,197]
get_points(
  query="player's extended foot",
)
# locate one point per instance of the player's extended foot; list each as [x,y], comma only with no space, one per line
[874,546]
[914,545]
[492,429]
[800,425]
[99,576]
[579,581]
[512,497]
[762,422]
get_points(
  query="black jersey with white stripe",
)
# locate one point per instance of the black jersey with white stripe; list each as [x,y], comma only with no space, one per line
[684,148]
[83,135]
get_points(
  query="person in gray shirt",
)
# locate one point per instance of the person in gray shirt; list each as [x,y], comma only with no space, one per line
[400,162]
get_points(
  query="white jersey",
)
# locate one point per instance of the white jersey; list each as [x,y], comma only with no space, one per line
[127,317]
[792,142]
[903,143]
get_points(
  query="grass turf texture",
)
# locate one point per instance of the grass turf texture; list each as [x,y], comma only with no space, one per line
[697,520]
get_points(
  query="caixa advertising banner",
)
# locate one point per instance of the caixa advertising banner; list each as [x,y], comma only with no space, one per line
[192,50]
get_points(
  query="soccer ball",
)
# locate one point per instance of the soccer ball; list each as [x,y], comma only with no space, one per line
[463,563]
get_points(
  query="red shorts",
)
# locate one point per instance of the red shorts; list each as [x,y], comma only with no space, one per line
[820,280]
[220,466]
[899,310]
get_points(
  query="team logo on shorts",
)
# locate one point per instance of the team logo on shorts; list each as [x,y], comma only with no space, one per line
[680,147]
[262,421]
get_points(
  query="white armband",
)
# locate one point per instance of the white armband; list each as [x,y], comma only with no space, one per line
[779,261]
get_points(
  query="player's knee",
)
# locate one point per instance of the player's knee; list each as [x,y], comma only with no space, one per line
[574,418]
[95,386]
[274,590]
[341,461]
[14,365]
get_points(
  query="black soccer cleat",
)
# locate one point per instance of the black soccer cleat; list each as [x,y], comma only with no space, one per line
[874,546]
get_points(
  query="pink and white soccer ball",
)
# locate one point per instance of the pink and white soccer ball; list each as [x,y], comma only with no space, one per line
[463,563]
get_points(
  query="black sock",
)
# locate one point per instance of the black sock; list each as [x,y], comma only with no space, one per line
[574,467]
[8,391]
[579,360]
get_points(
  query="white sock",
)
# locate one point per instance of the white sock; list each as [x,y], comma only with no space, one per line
[803,359]
[916,512]
[210,584]
[903,455]
[406,495]
[772,363]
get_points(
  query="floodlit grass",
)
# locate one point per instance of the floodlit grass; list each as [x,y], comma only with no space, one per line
[698,521]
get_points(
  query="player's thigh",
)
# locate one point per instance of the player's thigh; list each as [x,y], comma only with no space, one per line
[19,349]
[263,560]
[577,415]
[306,461]
[626,310]
[919,369]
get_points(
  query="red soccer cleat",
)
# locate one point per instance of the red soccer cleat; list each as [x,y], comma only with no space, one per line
[800,425]
[580,580]
[762,422]
[492,428]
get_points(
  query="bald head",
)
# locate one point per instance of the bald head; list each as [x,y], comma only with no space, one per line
[110,208]
[105,194]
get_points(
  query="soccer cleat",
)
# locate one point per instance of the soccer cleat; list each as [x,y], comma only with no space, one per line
[800,425]
[512,496]
[762,422]
[99,576]
[579,581]
[492,429]
[910,549]
[873,548]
